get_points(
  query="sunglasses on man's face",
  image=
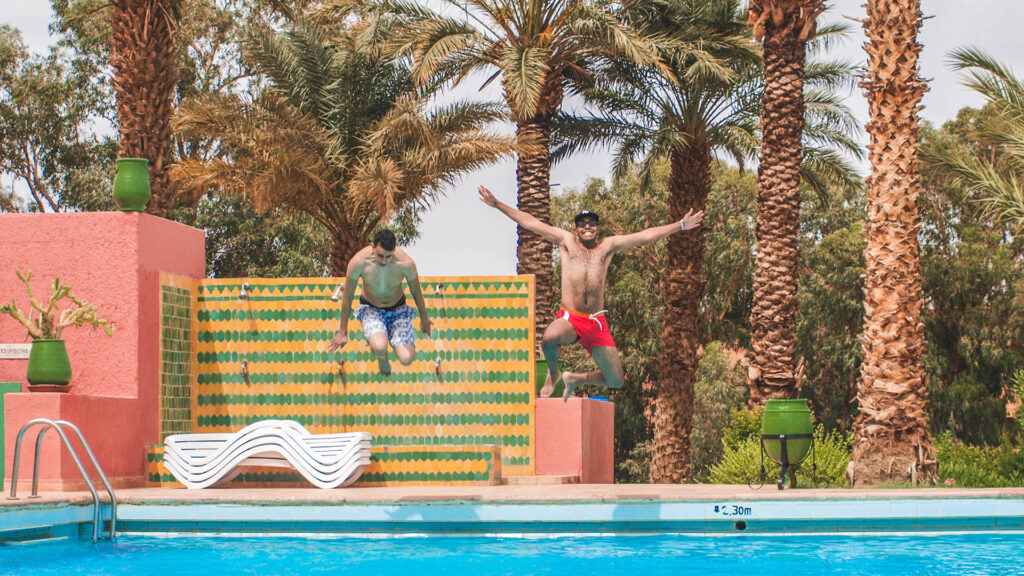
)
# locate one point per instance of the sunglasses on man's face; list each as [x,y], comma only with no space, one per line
[585,223]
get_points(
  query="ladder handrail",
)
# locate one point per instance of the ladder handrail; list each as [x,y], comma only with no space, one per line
[99,470]
[57,425]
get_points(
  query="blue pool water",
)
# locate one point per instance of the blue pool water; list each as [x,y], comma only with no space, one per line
[924,554]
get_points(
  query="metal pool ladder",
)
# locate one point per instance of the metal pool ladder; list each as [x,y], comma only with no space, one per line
[59,425]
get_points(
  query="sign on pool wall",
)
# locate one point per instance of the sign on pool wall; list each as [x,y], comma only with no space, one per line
[730,510]
[15,351]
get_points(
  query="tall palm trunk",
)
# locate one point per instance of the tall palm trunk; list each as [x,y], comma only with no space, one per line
[784,26]
[891,440]
[533,175]
[142,55]
[345,242]
[689,184]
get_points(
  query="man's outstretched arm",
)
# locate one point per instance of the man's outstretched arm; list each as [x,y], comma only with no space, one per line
[531,223]
[351,279]
[691,221]
[412,278]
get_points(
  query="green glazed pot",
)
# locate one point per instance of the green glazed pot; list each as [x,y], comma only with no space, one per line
[131,184]
[783,416]
[48,363]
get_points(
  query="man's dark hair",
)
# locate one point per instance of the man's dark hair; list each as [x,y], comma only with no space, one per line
[385,239]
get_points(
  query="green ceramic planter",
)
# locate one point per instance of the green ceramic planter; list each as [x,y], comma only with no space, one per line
[787,417]
[131,184]
[48,363]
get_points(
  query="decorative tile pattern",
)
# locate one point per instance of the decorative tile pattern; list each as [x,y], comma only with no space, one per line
[441,465]
[175,355]
[265,357]
[156,473]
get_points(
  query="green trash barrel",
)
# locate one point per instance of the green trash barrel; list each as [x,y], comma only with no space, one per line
[789,417]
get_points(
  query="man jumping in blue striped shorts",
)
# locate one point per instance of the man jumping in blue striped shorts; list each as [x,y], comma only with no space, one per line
[385,316]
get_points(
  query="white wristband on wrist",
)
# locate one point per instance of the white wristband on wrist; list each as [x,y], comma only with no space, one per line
[682,225]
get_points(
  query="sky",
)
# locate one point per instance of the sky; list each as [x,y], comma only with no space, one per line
[463,237]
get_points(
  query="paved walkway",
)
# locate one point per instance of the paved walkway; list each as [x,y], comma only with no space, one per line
[527,493]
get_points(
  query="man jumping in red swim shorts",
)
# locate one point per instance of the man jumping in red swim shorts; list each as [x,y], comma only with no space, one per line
[585,259]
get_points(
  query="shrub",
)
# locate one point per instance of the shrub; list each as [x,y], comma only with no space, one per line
[977,466]
[743,424]
[635,469]
[719,390]
[741,461]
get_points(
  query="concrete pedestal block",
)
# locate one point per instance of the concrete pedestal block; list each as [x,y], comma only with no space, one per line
[576,438]
[112,260]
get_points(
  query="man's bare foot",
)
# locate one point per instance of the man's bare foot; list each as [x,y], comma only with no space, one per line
[572,381]
[384,365]
[549,387]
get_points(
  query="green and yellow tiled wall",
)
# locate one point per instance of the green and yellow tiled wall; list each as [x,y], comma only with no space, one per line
[435,421]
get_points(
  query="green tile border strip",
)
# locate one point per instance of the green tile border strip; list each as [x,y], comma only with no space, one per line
[176,336]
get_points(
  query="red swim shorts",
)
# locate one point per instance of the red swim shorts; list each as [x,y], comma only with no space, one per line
[591,328]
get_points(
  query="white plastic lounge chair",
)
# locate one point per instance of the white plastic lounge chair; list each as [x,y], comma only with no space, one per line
[326,460]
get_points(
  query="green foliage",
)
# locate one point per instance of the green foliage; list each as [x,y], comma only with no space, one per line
[966,466]
[972,277]
[1018,393]
[241,243]
[741,461]
[637,467]
[729,260]
[993,171]
[743,425]
[47,145]
[719,390]
[830,299]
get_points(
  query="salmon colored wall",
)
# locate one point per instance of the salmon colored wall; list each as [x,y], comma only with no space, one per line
[576,438]
[112,260]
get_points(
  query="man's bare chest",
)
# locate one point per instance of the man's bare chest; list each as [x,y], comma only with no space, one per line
[382,278]
[578,260]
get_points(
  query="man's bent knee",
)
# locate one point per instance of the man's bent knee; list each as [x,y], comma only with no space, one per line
[379,347]
[405,355]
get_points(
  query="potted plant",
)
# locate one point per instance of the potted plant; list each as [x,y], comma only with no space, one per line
[48,364]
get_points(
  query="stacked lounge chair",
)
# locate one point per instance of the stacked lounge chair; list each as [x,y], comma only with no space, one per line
[326,460]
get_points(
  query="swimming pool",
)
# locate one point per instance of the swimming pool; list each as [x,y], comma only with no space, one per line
[925,554]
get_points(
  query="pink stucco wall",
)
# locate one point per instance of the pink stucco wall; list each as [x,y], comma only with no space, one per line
[576,438]
[112,260]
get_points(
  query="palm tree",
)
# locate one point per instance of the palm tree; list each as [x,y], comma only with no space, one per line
[891,440]
[542,50]
[143,55]
[711,111]
[784,27]
[998,175]
[341,133]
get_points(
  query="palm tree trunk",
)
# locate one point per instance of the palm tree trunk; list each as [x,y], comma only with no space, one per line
[344,245]
[535,255]
[891,440]
[784,26]
[689,184]
[143,58]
